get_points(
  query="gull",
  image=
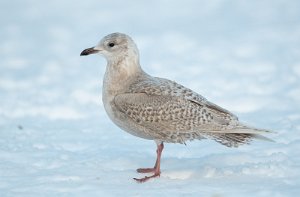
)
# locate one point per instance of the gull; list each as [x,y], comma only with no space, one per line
[160,109]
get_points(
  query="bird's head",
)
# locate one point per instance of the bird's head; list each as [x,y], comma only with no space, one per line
[115,47]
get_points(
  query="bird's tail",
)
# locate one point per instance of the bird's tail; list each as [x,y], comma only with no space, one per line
[238,136]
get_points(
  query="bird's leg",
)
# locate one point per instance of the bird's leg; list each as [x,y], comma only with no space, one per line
[155,169]
[157,163]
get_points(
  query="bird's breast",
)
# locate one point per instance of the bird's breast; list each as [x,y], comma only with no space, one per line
[117,116]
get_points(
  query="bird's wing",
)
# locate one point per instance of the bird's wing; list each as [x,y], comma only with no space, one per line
[171,116]
[165,87]
[161,86]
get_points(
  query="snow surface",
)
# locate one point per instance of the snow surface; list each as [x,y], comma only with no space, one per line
[56,140]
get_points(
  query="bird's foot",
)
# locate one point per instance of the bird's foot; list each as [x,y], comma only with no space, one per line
[155,169]
[146,178]
[145,170]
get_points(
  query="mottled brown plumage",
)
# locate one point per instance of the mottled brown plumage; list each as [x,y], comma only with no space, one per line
[159,109]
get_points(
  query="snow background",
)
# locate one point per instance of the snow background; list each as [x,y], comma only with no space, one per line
[56,140]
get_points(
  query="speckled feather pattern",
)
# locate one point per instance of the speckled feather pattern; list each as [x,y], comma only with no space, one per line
[173,113]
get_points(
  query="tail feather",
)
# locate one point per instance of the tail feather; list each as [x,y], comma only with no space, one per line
[238,136]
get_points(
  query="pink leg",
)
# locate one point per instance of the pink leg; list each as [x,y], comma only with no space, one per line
[155,169]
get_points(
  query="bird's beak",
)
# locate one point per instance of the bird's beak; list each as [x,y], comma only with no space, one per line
[89,51]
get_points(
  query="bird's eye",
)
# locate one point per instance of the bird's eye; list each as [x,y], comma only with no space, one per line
[111,44]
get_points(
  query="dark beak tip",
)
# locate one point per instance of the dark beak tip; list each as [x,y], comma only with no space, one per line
[88,51]
[83,53]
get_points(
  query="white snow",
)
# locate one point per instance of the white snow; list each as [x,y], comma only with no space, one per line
[55,137]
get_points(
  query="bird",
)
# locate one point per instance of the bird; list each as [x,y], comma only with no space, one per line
[160,109]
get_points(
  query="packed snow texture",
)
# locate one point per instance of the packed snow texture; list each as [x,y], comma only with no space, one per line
[56,139]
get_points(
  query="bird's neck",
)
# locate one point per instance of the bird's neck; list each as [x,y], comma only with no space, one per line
[120,73]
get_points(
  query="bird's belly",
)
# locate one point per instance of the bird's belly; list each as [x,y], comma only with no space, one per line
[123,121]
